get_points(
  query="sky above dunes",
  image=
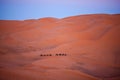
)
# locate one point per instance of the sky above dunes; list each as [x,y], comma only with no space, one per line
[34,9]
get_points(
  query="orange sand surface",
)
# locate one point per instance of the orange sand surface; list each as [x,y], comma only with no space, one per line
[91,44]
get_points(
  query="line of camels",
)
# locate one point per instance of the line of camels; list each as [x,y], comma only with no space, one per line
[52,55]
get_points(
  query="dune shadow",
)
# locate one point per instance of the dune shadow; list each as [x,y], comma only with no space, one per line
[99,72]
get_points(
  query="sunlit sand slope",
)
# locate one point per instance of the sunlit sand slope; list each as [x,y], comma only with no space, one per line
[85,47]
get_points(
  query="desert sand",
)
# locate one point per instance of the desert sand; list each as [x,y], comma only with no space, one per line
[90,45]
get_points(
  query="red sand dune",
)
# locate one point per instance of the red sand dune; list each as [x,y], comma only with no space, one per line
[91,44]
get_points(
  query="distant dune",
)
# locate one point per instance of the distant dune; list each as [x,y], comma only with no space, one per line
[83,47]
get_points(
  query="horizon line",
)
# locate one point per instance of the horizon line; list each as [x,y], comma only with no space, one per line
[62,17]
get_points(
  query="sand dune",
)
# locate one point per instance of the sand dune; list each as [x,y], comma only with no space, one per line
[91,44]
